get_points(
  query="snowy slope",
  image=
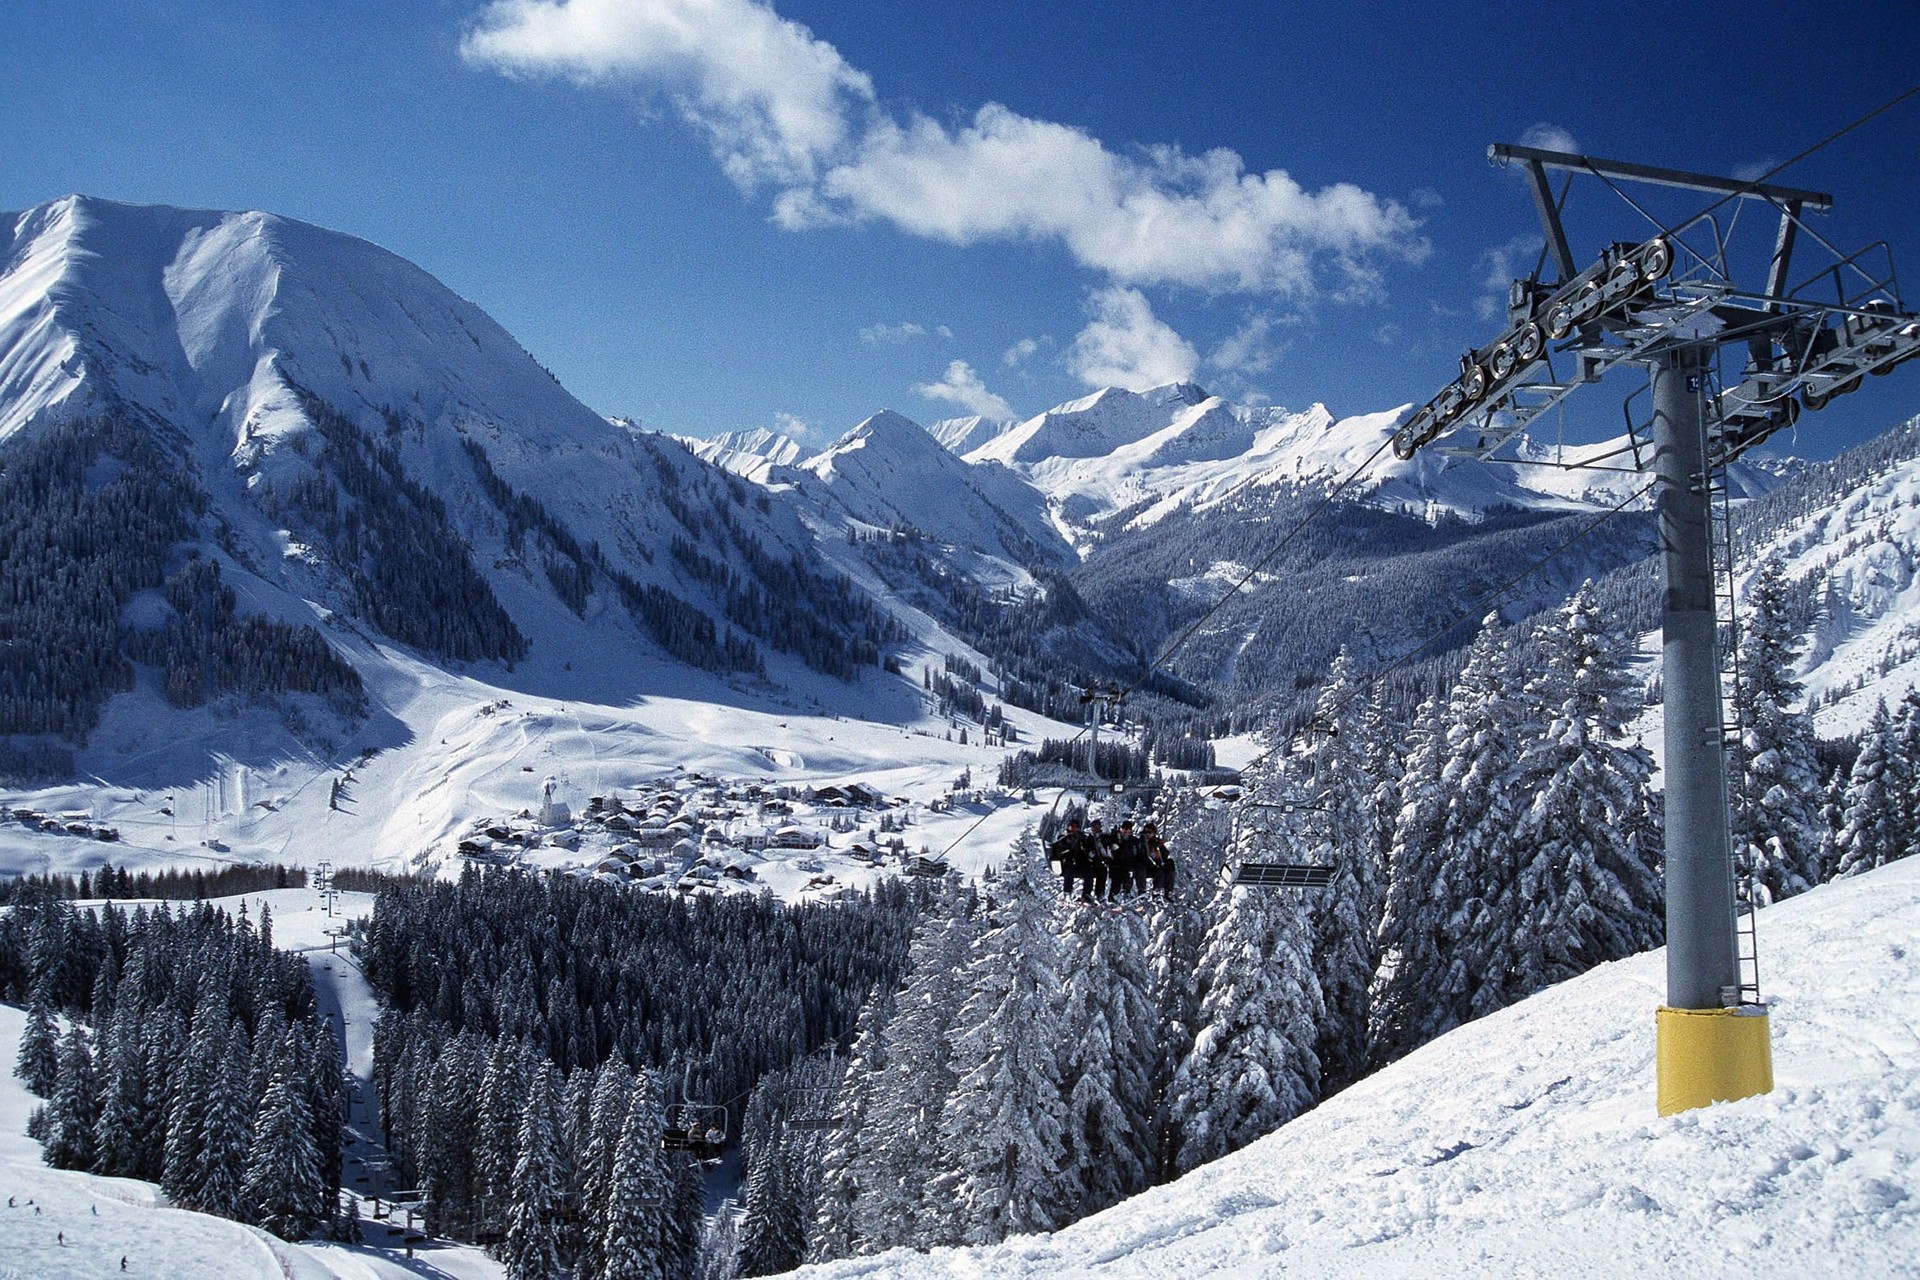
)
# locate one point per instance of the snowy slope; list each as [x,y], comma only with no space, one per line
[1526,1143]
[888,471]
[1863,553]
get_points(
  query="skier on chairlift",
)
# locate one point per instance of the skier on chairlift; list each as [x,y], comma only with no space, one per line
[1158,866]
[1099,859]
[1069,849]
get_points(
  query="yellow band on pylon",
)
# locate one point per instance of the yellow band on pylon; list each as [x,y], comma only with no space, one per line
[1704,1056]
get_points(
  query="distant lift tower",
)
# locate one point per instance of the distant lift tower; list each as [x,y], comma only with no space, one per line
[1731,363]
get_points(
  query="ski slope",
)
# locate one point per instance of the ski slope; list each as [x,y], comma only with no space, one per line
[1527,1144]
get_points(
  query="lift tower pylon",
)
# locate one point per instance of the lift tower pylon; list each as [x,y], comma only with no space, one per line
[1731,363]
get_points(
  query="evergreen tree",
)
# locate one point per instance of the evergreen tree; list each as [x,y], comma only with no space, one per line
[1588,843]
[225,1133]
[1873,835]
[772,1232]
[686,1206]
[537,1194]
[192,1096]
[123,1092]
[1109,1035]
[834,1231]
[1451,854]
[719,1257]
[1252,1066]
[282,1191]
[447,1148]
[898,1148]
[608,1119]
[1003,1166]
[504,1093]
[1334,765]
[637,1196]
[1776,826]
[73,1113]
[38,1063]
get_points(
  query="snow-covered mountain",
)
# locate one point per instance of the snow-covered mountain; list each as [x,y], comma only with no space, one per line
[276,357]
[888,471]
[1146,454]
[753,455]
[1526,1143]
[964,435]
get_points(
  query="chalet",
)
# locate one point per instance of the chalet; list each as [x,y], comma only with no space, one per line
[795,838]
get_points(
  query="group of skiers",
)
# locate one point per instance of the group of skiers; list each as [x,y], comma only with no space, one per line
[1115,864]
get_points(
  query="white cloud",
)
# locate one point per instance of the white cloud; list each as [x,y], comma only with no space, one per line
[1549,137]
[783,109]
[789,425]
[906,331]
[1128,346]
[960,385]
[1020,352]
[772,99]
[1248,349]
[1499,267]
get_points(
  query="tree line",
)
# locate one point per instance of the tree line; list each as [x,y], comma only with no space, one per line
[193,1056]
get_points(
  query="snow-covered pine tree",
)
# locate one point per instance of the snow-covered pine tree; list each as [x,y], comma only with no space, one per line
[282,1191]
[226,1132]
[1107,1050]
[833,1231]
[123,1090]
[1872,836]
[1588,840]
[686,1206]
[74,1110]
[531,1249]
[1452,853]
[38,1062]
[773,1231]
[1333,766]
[1196,832]
[192,1096]
[1002,1164]
[446,1149]
[1252,1066]
[1775,791]
[637,1195]
[1411,942]
[719,1257]
[594,1162]
[1904,766]
[898,1148]
[503,1100]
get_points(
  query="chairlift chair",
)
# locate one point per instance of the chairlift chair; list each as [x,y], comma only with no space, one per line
[696,1127]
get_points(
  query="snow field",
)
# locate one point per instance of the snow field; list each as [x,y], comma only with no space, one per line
[1526,1143]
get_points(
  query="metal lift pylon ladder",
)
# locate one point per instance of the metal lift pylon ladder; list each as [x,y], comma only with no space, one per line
[1732,726]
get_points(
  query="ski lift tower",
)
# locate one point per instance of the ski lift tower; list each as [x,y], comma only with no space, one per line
[1732,360]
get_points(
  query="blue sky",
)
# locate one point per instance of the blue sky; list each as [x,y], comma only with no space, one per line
[716,214]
